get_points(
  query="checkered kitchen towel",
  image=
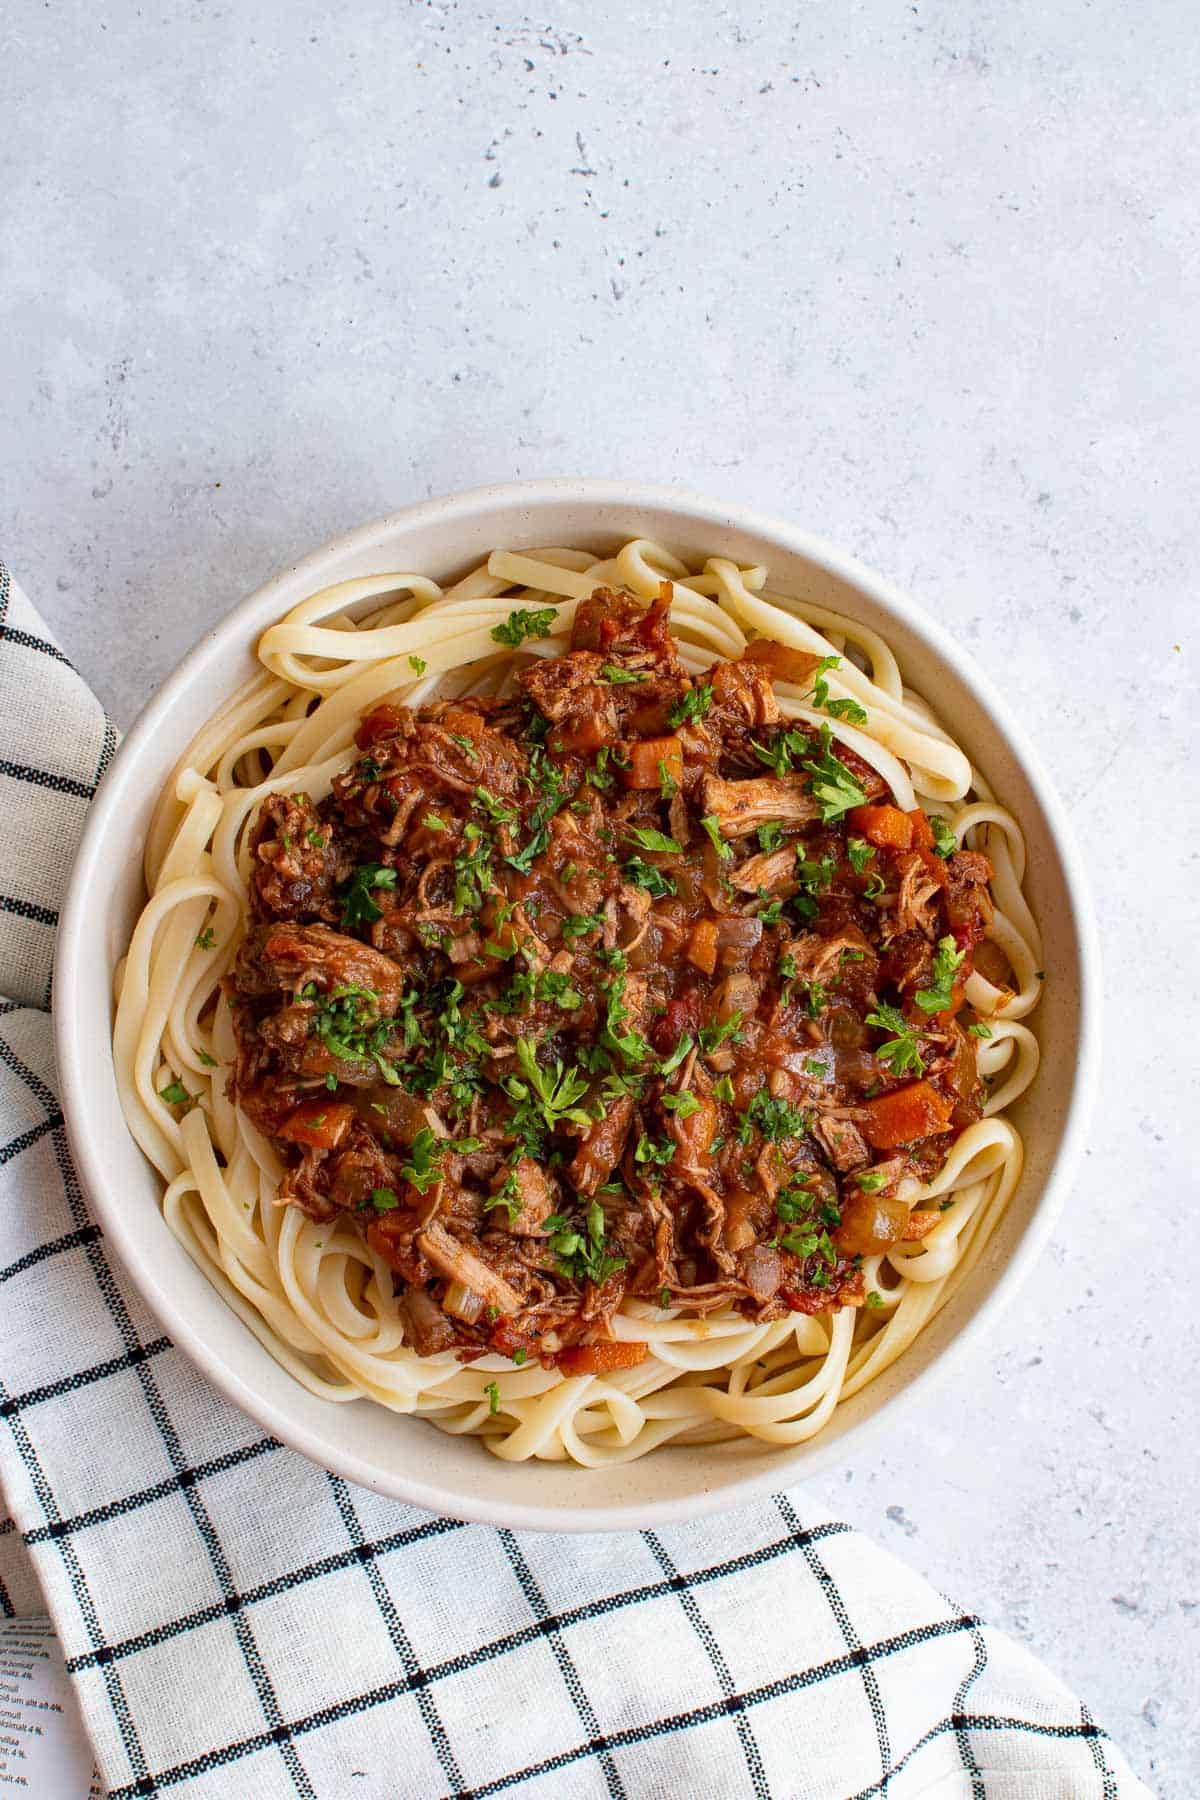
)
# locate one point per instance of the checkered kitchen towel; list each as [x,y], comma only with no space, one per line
[239,1624]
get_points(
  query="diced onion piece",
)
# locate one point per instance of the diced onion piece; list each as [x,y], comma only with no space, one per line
[462,1302]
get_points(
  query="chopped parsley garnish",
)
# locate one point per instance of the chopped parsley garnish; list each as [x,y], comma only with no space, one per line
[508,1196]
[839,709]
[210,1062]
[668,787]
[417,664]
[860,853]
[979,1029]
[833,786]
[354,894]
[682,1105]
[599,775]
[945,843]
[679,1055]
[206,939]
[175,1094]
[383,1199]
[723,1089]
[692,705]
[464,743]
[583,1257]
[713,1036]
[779,753]
[769,836]
[946,961]
[492,1390]
[647,1151]
[497,811]
[871,1180]
[524,624]
[348,1023]
[814,877]
[642,874]
[874,1299]
[553,1094]
[777,1120]
[901,1053]
[648,839]
[617,676]
[424,1154]
[579,924]
[712,827]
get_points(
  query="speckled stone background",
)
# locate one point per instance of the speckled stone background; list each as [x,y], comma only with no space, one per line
[923,277]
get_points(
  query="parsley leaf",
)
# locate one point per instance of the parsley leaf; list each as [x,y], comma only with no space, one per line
[946,961]
[769,836]
[523,624]
[417,664]
[692,705]
[616,676]
[644,875]
[713,1036]
[945,843]
[901,1053]
[712,826]
[648,839]
[354,894]
[833,786]
[859,852]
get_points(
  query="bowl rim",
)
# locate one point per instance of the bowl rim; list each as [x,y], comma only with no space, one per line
[80,925]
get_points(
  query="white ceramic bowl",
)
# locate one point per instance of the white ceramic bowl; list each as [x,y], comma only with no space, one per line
[408,1458]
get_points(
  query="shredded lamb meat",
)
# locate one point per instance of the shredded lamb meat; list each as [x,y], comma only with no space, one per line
[626,985]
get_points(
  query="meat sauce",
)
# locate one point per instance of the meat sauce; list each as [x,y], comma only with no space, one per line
[623,986]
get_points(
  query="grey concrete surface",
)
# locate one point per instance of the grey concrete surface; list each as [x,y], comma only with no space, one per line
[923,277]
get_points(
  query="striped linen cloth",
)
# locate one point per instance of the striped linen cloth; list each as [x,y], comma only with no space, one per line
[238,1623]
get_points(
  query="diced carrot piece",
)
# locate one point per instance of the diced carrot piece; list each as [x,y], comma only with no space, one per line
[781,662]
[884,826]
[601,1358]
[584,737]
[901,1117]
[317,1123]
[922,830]
[645,757]
[701,949]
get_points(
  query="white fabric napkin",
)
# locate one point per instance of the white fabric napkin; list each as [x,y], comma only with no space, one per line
[238,1623]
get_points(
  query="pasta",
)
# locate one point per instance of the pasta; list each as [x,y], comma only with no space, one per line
[316,1291]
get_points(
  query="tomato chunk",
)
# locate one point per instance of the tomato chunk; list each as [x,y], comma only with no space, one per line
[318,1123]
[884,826]
[601,1358]
[911,1112]
[645,757]
[383,722]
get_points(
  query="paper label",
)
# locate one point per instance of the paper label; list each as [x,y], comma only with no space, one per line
[44,1751]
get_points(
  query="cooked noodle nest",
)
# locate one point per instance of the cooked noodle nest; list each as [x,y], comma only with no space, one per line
[316,1295]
